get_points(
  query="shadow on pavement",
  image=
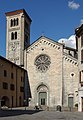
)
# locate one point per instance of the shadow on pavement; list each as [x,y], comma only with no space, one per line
[6,113]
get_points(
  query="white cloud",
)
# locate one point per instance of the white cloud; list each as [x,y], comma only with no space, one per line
[73,5]
[62,40]
[81,21]
[70,42]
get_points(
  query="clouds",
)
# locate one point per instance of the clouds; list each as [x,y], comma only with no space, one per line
[70,42]
[73,5]
[81,21]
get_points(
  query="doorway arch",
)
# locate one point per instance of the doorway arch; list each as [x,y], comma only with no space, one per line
[42,95]
[5,101]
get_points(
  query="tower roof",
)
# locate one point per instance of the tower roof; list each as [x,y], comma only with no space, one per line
[18,12]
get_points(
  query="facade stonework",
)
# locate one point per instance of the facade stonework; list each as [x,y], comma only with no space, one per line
[70,79]
[58,79]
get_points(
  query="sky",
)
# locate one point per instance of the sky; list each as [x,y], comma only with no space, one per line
[55,19]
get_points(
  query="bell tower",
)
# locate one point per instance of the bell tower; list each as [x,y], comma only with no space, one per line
[17,35]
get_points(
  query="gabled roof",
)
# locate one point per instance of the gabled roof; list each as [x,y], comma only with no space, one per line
[46,39]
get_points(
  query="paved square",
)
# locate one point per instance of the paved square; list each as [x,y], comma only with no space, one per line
[39,115]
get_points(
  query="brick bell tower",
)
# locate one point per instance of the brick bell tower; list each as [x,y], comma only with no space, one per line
[17,35]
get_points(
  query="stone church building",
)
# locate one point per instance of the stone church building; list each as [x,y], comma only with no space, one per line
[52,68]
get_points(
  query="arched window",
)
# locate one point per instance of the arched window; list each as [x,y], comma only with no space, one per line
[15,35]
[12,36]
[42,62]
[11,23]
[16,21]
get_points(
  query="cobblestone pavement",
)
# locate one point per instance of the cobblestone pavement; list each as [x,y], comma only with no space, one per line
[39,115]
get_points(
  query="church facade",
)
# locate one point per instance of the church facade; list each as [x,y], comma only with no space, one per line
[52,73]
[52,68]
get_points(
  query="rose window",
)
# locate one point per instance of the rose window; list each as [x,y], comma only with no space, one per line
[42,62]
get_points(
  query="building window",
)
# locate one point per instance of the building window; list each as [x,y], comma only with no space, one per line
[12,75]
[5,73]
[81,56]
[12,87]
[82,41]
[81,76]
[5,85]
[42,62]
[14,22]
[13,35]
[21,89]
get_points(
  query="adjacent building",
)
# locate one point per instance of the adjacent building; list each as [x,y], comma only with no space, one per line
[12,80]
[79,46]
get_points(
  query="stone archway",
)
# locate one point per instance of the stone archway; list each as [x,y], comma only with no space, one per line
[42,95]
[5,101]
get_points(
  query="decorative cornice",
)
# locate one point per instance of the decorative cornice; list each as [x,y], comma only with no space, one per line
[45,41]
[70,59]
[13,29]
